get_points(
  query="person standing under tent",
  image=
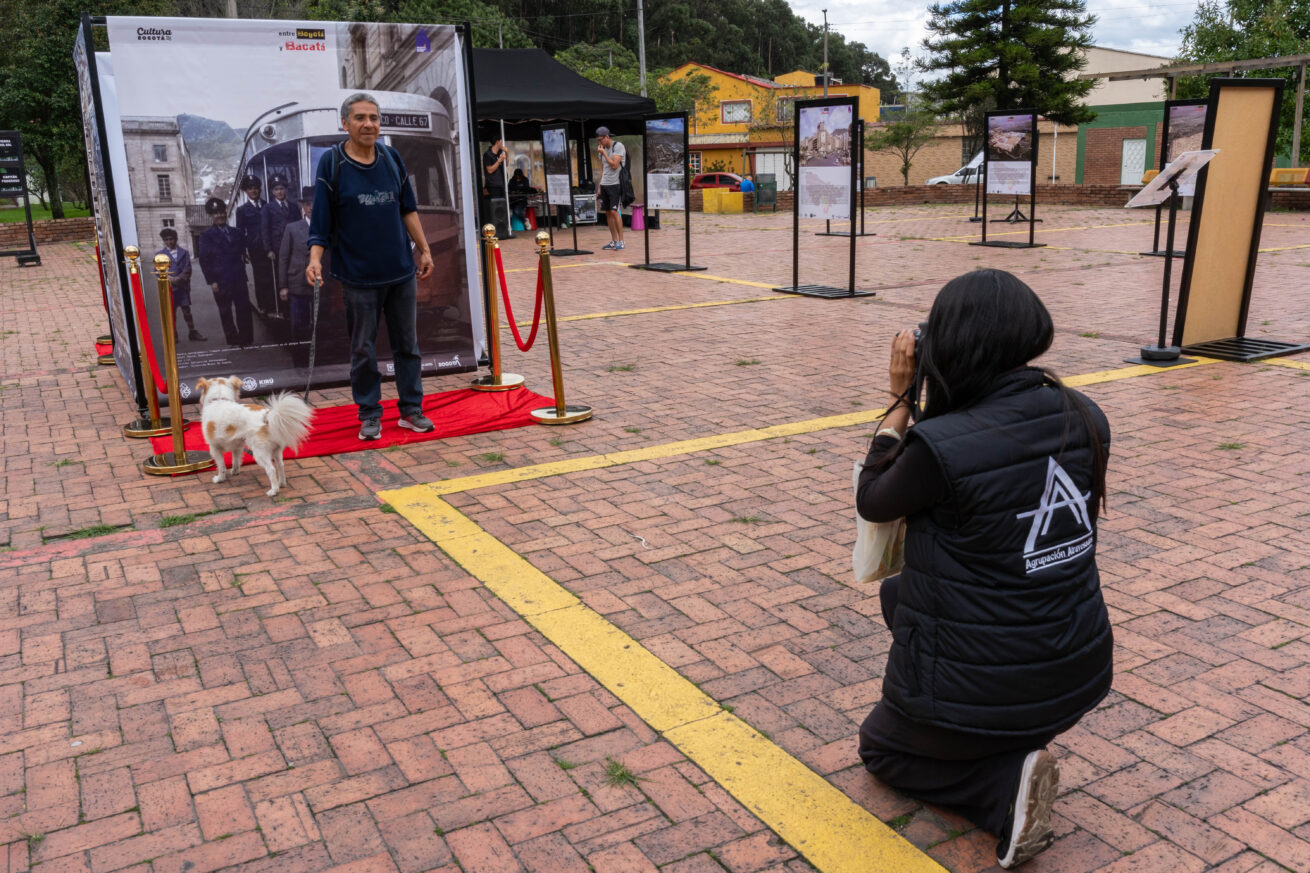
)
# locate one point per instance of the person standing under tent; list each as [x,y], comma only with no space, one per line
[222,261]
[366,215]
[609,194]
[179,276]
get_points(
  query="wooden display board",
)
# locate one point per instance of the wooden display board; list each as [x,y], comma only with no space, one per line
[1224,237]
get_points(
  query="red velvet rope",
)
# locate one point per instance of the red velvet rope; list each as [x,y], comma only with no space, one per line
[161,384]
[509,312]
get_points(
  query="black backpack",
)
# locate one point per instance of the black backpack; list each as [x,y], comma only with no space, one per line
[626,194]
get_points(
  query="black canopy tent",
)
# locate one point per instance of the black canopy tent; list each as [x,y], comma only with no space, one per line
[517,85]
[521,88]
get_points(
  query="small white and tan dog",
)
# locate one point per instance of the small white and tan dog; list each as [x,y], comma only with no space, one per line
[230,425]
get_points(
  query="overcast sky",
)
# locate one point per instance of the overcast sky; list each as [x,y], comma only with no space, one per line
[887,27]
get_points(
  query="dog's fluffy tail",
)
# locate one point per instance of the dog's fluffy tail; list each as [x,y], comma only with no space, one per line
[288,420]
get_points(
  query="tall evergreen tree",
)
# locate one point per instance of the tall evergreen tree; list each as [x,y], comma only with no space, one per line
[1009,54]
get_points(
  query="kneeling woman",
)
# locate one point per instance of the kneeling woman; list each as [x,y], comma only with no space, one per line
[1000,638]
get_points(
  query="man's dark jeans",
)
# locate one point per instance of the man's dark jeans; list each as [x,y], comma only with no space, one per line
[365,308]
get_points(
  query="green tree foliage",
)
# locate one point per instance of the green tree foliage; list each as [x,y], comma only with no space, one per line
[616,67]
[1241,30]
[1010,54]
[903,137]
[38,84]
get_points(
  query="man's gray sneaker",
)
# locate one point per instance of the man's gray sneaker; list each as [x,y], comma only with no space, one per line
[370,429]
[417,422]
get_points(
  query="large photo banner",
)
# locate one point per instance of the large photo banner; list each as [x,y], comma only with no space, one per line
[825,135]
[666,162]
[223,125]
[106,237]
[555,157]
[1011,152]
[1184,128]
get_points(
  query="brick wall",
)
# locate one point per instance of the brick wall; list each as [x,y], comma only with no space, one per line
[14,235]
[1103,157]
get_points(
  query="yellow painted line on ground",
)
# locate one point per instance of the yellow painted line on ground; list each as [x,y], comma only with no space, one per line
[832,833]
[830,830]
[1282,362]
[713,278]
[1286,248]
[672,307]
[650,453]
[1102,376]
[1039,230]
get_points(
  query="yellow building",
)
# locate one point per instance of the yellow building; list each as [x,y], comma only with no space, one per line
[749,127]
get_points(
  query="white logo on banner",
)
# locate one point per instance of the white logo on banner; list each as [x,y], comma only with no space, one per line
[185,390]
[1060,494]
[249,384]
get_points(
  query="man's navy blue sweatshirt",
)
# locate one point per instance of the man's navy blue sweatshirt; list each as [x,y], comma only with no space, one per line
[372,247]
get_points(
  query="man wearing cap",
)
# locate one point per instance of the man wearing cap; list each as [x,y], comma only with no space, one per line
[250,221]
[293,287]
[609,194]
[274,218]
[179,277]
[222,261]
[366,215]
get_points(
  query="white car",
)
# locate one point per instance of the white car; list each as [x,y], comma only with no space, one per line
[964,176]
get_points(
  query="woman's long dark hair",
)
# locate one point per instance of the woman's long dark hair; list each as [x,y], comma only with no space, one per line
[983,325]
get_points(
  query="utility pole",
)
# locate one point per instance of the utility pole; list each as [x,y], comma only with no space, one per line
[641,45]
[825,52]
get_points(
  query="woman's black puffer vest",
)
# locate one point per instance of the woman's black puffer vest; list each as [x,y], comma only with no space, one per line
[1000,627]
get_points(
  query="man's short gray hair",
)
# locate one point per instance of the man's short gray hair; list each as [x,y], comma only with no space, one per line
[357,97]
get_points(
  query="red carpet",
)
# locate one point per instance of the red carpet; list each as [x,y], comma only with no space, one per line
[455,413]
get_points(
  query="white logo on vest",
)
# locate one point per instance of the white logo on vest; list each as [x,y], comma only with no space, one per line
[1060,493]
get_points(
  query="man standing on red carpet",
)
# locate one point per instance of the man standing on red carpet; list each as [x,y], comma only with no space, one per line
[366,214]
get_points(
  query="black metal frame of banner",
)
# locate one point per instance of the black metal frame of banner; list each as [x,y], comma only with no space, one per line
[119,265]
[667,266]
[1241,347]
[1032,188]
[977,192]
[554,207]
[1161,355]
[859,176]
[12,161]
[825,291]
[1156,251]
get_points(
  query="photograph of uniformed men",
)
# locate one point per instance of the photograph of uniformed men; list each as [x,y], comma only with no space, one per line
[223,263]
[293,288]
[279,212]
[250,221]
[179,277]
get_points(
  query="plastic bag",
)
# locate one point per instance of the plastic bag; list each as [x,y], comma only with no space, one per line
[879,546]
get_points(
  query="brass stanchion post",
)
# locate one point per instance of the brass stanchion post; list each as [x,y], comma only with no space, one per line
[152,426]
[560,413]
[179,460]
[496,381]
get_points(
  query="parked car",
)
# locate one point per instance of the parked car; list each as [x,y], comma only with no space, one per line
[731,181]
[964,176]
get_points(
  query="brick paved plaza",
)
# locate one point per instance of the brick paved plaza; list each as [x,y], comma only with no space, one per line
[196,677]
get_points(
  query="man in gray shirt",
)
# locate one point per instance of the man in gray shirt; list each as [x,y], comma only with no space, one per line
[609,198]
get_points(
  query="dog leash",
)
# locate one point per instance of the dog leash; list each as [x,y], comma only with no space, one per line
[313,338]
